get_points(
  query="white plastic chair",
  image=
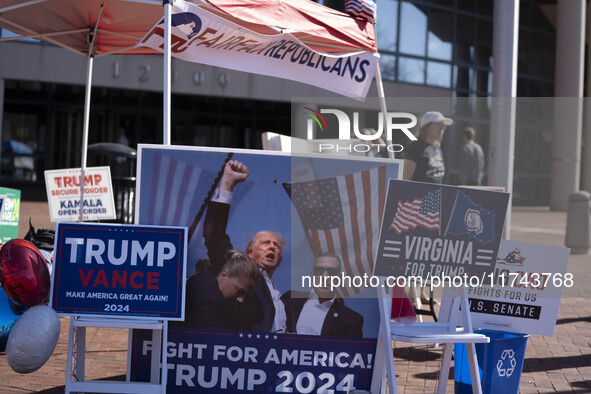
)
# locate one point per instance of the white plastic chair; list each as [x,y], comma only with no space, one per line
[454,326]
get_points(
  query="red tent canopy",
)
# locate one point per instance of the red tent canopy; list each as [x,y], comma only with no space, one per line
[100,27]
[120,24]
[321,28]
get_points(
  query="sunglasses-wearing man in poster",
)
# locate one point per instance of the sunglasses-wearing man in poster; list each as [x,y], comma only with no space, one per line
[209,297]
[263,312]
[321,313]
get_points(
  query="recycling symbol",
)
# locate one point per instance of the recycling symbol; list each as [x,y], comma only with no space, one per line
[506,364]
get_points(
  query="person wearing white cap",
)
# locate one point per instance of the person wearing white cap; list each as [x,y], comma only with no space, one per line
[423,160]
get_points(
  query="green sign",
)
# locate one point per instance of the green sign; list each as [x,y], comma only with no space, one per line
[10,203]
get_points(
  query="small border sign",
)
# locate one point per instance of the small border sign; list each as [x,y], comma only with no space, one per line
[119,270]
[63,194]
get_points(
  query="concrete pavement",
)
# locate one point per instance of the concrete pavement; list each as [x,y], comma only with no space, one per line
[558,364]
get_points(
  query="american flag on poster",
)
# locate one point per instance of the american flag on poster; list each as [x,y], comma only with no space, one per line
[420,212]
[342,215]
[175,192]
[366,9]
[174,197]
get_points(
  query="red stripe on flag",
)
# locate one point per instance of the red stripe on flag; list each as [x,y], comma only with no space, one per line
[329,241]
[312,236]
[362,8]
[382,192]
[408,216]
[186,178]
[344,251]
[366,181]
[168,186]
[350,182]
[154,188]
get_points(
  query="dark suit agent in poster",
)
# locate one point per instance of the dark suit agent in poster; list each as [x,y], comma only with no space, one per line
[254,350]
[320,312]
[438,232]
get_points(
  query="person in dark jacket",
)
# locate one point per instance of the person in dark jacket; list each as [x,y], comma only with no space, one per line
[319,312]
[423,159]
[210,297]
[265,311]
[471,167]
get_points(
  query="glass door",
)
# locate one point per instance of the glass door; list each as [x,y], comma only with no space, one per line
[66,139]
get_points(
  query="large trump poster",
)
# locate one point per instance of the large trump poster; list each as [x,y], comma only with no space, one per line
[267,232]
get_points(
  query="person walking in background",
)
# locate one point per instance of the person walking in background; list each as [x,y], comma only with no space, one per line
[423,159]
[471,160]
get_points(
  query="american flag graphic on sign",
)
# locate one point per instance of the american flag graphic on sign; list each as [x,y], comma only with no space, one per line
[182,181]
[342,215]
[420,212]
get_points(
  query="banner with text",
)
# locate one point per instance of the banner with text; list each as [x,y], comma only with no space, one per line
[203,37]
[63,194]
[523,295]
[214,361]
[435,231]
[119,270]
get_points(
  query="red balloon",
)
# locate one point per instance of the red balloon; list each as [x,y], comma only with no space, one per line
[23,273]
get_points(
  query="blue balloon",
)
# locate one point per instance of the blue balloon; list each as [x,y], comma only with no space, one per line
[9,314]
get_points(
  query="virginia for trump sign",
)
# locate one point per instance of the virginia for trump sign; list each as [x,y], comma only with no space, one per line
[431,230]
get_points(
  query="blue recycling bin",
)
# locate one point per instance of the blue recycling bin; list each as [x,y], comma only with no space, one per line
[500,363]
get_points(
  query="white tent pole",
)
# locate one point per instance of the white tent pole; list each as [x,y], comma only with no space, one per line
[50,40]
[504,90]
[44,35]
[167,72]
[382,97]
[85,132]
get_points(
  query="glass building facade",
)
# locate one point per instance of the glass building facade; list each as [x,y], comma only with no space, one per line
[439,45]
[448,44]
[46,118]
